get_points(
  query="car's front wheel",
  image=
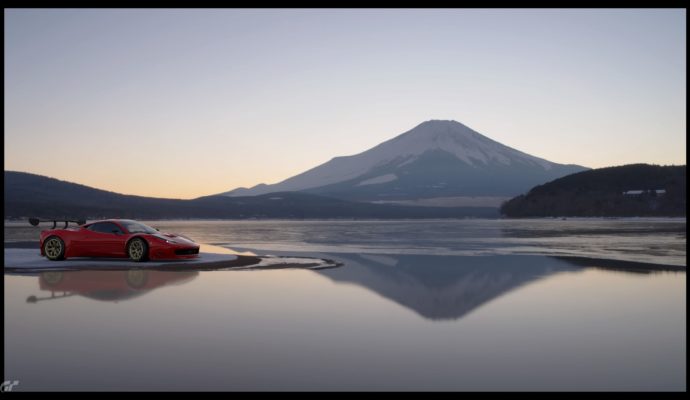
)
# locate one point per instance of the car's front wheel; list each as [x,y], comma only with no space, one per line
[138,250]
[54,248]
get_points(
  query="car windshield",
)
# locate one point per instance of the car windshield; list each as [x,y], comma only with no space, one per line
[137,227]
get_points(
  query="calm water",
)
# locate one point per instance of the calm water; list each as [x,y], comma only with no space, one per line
[417,305]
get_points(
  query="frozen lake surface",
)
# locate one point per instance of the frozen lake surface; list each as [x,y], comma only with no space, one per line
[416,305]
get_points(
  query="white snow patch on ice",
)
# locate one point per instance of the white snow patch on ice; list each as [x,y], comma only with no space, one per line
[297,262]
[31,259]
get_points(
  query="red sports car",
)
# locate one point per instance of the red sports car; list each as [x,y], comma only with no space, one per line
[117,238]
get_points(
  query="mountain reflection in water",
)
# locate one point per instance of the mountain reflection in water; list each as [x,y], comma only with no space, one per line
[443,287]
[450,287]
[434,287]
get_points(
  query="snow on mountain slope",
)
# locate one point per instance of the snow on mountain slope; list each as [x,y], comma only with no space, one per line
[470,148]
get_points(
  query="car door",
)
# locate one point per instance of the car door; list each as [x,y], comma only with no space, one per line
[103,239]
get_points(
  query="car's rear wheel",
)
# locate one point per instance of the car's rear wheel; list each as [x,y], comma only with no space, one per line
[54,248]
[138,250]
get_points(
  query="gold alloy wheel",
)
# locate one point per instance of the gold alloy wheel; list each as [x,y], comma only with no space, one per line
[136,249]
[53,248]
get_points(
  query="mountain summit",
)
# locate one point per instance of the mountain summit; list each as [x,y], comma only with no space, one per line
[437,158]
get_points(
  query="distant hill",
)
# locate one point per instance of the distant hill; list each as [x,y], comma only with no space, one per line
[436,159]
[34,195]
[624,191]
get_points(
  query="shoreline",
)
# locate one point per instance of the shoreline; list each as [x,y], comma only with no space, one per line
[22,221]
[24,257]
[215,262]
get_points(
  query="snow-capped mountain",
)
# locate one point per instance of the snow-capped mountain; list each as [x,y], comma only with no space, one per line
[435,159]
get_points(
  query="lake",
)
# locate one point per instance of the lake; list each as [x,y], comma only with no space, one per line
[470,305]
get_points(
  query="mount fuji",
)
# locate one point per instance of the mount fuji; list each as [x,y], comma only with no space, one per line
[437,159]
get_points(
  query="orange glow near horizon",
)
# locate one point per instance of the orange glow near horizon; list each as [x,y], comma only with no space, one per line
[189,103]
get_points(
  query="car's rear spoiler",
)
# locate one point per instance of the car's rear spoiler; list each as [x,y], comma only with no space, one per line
[36,221]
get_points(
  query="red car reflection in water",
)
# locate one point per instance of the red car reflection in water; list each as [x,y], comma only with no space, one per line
[107,285]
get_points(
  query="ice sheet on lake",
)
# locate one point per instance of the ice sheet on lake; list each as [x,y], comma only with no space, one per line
[273,262]
[31,260]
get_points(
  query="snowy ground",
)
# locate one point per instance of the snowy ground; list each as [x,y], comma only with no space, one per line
[18,259]
[31,259]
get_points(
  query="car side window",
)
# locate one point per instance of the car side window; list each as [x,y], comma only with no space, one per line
[105,227]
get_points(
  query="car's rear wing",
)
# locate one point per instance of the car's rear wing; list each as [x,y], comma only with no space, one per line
[36,221]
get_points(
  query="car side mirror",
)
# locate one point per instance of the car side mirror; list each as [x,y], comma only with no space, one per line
[117,232]
[157,229]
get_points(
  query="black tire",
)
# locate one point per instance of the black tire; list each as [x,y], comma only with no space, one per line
[54,248]
[138,250]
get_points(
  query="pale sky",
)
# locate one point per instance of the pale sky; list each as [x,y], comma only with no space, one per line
[187,103]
